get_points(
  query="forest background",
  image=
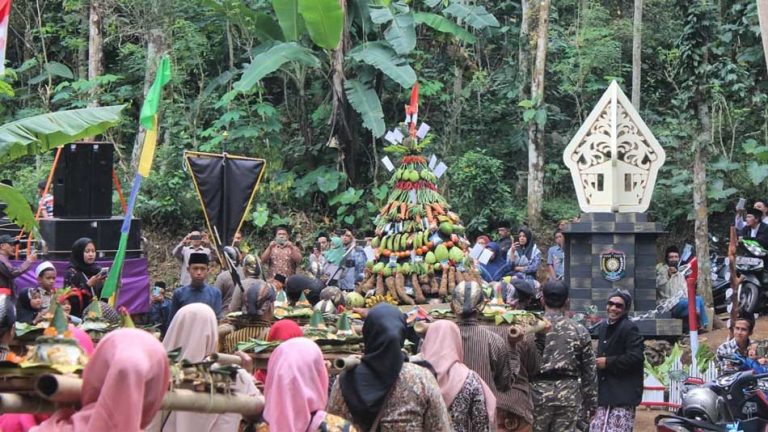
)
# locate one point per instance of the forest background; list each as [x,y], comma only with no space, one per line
[312,85]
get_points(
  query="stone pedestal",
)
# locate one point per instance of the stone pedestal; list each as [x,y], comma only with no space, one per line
[594,235]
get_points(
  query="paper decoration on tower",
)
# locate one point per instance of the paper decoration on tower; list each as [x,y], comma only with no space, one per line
[614,158]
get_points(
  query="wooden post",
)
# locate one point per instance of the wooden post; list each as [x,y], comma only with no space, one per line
[732,241]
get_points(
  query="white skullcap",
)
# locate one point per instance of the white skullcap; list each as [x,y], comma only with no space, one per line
[43,266]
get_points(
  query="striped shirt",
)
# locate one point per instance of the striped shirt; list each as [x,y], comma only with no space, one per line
[525,361]
[487,354]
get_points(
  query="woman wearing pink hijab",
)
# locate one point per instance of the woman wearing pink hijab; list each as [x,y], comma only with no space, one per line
[24,422]
[194,329]
[123,386]
[296,390]
[470,402]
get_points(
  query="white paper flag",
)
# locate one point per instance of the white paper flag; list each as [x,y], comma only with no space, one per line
[440,169]
[423,129]
[388,163]
[369,255]
[485,257]
[432,162]
[475,252]
[398,135]
[412,196]
[390,137]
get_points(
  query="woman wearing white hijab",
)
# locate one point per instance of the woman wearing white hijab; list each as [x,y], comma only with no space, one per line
[194,329]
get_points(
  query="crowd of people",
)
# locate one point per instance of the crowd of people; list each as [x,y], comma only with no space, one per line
[455,376]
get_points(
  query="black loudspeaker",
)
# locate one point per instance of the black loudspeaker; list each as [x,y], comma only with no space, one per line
[60,234]
[82,186]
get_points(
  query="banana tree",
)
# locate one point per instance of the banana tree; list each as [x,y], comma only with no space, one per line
[39,134]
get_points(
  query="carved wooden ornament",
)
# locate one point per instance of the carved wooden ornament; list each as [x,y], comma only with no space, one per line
[614,158]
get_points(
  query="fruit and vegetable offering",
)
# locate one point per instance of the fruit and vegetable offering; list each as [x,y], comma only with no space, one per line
[419,245]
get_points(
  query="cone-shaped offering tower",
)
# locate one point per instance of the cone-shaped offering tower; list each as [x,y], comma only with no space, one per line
[419,243]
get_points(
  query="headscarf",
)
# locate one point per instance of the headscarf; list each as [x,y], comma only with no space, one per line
[77,259]
[24,311]
[443,349]
[296,391]
[120,392]
[366,386]
[497,267]
[251,266]
[83,339]
[21,422]
[333,294]
[193,329]
[467,298]
[259,299]
[529,245]
[282,330]
[335,252]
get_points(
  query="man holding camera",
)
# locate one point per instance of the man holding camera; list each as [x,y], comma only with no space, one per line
[7,271]
[282,256]
[194,242]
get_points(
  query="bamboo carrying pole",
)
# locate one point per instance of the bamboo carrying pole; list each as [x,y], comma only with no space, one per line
[14,403]
[65,389]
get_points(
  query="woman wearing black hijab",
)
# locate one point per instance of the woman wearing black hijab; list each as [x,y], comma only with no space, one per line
[525,256]
[384,391]
[83,276]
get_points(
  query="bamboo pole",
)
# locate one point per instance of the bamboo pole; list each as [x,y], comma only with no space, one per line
[346,362]
[14,403]
[226,359]
[65,389]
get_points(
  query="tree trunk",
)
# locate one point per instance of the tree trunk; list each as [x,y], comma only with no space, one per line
[523,56]
[637,43]
[536,130]
[762,16]
[701,157]
[155,48]
[95,47]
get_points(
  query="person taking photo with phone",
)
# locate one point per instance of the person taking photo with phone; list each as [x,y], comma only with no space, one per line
[84,276]
[7,271]
[194,242]
[282,256]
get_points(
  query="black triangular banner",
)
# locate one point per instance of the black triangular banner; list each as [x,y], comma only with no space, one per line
[225,185]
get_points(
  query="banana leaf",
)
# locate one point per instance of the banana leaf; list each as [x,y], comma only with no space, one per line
[38,134]
[18,209]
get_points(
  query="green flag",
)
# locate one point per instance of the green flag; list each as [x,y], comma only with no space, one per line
[152,101]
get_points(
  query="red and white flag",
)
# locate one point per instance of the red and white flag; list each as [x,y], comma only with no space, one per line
[5,13]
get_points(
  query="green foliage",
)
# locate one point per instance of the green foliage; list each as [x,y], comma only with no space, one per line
[478,192]
[364,100]
[17,209]
[260,78]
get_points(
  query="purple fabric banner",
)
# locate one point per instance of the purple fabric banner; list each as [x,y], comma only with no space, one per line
[134,294]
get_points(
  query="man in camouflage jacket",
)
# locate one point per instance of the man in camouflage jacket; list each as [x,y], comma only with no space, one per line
[565,389]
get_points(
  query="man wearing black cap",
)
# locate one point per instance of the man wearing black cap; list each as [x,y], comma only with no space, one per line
[754,228]
[198,291]
[565,389]
[7,271]
[619,366]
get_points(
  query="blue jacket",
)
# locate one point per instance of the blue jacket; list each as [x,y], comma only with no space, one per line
[160,314]
[189,294]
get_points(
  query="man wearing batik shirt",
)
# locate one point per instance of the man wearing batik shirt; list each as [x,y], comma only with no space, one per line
[485,352]
[282,256]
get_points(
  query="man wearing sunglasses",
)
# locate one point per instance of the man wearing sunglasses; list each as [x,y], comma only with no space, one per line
[619,367]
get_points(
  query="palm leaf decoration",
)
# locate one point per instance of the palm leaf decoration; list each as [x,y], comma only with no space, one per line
[38,134]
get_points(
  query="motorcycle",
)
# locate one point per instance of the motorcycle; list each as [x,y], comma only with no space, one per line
[721,276]
[750,266]
[733,402]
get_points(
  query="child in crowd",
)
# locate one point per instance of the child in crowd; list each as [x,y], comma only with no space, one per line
[29,308]
[160,309]
[757,364]
[46,279]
